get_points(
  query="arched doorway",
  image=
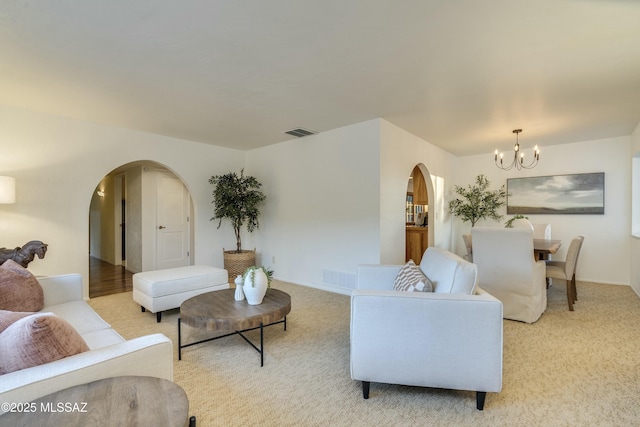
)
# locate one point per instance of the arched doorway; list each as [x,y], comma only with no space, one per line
[139,220]
[419,219]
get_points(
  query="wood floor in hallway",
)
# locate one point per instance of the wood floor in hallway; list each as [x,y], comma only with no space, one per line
[107,279]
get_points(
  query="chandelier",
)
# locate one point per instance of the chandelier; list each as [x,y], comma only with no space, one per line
[518,157]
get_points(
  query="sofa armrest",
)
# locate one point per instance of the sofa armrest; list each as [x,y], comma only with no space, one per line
[150,355]
[424,339]
[377,277]
[61,289]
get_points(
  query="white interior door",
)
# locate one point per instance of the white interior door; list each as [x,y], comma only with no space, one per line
[172,225]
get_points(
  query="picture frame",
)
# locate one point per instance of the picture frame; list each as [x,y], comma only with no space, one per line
[574,194]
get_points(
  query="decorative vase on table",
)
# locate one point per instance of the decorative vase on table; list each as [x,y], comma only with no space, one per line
[239,295]
[255,286]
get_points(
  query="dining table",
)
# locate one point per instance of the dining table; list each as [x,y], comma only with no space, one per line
[542,248]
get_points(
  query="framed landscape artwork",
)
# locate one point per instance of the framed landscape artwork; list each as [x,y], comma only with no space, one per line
[557,194]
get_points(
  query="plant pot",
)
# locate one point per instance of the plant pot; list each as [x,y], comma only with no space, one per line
[255,288]
[237,262]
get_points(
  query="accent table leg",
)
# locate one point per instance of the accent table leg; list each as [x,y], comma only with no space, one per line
[261,345]
[179,341]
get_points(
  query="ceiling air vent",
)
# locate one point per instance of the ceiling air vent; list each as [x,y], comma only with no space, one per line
[299,132]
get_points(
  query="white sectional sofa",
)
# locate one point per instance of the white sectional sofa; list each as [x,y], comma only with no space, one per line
[110,354]
[449,338]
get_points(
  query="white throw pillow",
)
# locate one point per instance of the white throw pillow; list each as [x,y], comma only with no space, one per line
[411,279]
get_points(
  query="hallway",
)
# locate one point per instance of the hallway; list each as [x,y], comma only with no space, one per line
[107,279]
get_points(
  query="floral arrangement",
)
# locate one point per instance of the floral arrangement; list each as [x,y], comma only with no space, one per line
[251,272]
[509,223]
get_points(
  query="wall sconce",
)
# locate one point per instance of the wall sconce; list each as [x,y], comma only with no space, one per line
[7,190]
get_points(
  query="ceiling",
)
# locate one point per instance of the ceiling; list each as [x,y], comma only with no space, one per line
[461,74]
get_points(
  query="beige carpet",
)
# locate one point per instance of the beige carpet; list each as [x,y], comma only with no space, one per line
[568,369]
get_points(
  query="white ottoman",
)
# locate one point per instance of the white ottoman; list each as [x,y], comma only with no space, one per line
[162,290]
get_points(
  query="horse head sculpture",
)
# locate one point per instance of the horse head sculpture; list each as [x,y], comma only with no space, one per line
[25,254]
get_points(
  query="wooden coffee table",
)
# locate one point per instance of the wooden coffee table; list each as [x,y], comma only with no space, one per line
[117,401]
[219,311]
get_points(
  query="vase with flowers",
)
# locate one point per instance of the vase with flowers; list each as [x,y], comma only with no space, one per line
[256,282]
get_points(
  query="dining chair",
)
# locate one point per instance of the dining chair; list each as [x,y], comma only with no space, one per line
[522,223]
[541,231]
[508,270]
[467,244]
[566,270]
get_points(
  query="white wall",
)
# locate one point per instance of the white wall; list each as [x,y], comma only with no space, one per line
[401,151]
[102,222]
[323,205]
[337,199]
[133,216]
[58,162]
[605,252]
[323,213]
[149,215]
[634,253]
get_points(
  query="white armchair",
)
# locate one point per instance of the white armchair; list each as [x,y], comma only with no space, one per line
[451,338]
[507,270]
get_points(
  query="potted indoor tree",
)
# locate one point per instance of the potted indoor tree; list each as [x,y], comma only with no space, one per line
[237,198]
[477,202]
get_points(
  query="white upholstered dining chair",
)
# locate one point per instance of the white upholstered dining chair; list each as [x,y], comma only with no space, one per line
[508,271]
[541,231]
[522,223]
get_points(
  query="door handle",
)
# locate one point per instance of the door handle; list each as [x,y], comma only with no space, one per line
[161,227]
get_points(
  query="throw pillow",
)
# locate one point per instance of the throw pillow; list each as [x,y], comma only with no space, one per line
[37,339]
[19,289]
[8,317]
[410,278]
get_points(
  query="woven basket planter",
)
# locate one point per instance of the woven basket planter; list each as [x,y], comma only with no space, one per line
[236,263]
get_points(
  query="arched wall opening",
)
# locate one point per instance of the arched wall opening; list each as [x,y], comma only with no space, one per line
[421,208]
[140,219]
[433,200]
